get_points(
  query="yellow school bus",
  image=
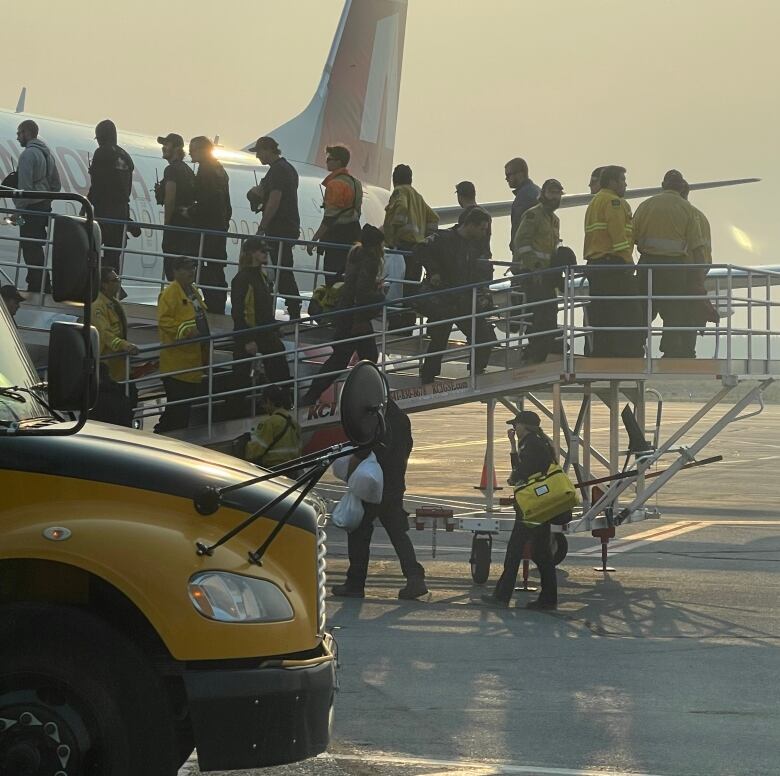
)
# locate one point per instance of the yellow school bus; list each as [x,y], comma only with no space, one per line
[127,638]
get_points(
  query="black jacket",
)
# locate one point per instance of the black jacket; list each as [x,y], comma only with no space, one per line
[359,289]
[211,209]
[393,451]
[110,174]
[534,456]
[261,300]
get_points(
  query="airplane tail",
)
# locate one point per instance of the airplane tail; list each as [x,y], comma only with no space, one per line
[356,102]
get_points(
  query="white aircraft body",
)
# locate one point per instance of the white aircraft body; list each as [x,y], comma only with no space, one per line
[355,103]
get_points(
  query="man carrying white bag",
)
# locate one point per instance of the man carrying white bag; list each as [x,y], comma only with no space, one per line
[375,488]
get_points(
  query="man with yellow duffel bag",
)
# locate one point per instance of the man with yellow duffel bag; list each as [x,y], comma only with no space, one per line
[542,493]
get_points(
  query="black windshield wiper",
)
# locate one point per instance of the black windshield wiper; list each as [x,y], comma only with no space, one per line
[16,392]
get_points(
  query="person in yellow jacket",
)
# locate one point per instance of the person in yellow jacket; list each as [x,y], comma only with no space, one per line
[668,234]
[534,245]
[277,437]
[609,245]
[181,316]
[408,219]
[109,319]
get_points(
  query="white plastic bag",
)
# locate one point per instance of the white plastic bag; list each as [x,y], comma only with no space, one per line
[348,513]
[367,481]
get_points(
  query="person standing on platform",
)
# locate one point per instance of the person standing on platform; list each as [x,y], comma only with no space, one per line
[175,193]
[36,171]
[181,316]
[342,203]
[252,306]
[609,243]
[211,211]
[111,184]
[467,199]
[451,259]
[392,453]
[667,231]
[595,181]
[525,190]
[362,287]
[408,220]
[111,323]
[534,455]
[703,312]
[534,245]
[277,198]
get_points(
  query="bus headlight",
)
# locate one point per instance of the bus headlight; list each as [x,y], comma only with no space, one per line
[225,597]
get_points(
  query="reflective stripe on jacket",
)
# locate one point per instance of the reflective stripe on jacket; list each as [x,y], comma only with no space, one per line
[666,225]
[175,320]
[110,321]
[275,440]
[343,199]
[536,239]
[408,218]
[608,227]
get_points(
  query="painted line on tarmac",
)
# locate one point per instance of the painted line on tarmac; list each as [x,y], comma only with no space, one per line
[482,767]
[628,543]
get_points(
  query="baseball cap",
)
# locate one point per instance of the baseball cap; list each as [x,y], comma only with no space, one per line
[265,142]
[525,418]
[171,137]
[11,292]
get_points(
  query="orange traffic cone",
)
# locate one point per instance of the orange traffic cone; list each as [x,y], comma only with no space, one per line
[484,479]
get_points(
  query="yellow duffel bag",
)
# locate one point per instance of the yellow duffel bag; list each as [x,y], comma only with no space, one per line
[545,496]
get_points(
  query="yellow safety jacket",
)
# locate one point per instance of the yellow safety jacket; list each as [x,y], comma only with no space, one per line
[536,239]
[110,321]
[176,317]
[275,440]
[608,227]
[408,218]
[666,225]
[706,235]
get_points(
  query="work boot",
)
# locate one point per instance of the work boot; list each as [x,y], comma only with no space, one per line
[541,606]
[415,587]
[497,603]
[347,591]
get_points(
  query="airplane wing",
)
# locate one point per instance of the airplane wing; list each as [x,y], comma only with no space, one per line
[449,215]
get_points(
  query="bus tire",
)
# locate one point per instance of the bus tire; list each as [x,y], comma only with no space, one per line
[79,693]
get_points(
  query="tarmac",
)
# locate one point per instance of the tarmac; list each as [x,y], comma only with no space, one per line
[667,666]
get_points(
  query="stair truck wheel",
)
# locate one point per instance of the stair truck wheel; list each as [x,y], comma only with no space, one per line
[481,550]
[78,697]
[560,547]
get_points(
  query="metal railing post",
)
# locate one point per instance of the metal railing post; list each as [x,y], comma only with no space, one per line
[473,349]
[750,320]
[296,360]
[490,454]
[211,388]
[649,321]
[278,273]
[200,256]
[729,312]
[383,339]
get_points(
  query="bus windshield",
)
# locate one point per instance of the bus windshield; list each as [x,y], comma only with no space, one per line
[16,371]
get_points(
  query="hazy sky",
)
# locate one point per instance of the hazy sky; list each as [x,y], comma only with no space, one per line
[567,84]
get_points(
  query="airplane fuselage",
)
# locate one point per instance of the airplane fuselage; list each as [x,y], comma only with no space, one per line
[73,144]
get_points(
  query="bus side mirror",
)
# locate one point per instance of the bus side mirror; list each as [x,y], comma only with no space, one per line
[68,378]
[70,259]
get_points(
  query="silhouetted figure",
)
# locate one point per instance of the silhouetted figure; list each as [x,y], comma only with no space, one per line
[211,211]
[175,193]
[408,220]
[111,182]
[343,202]
[362,286]
[277,198]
